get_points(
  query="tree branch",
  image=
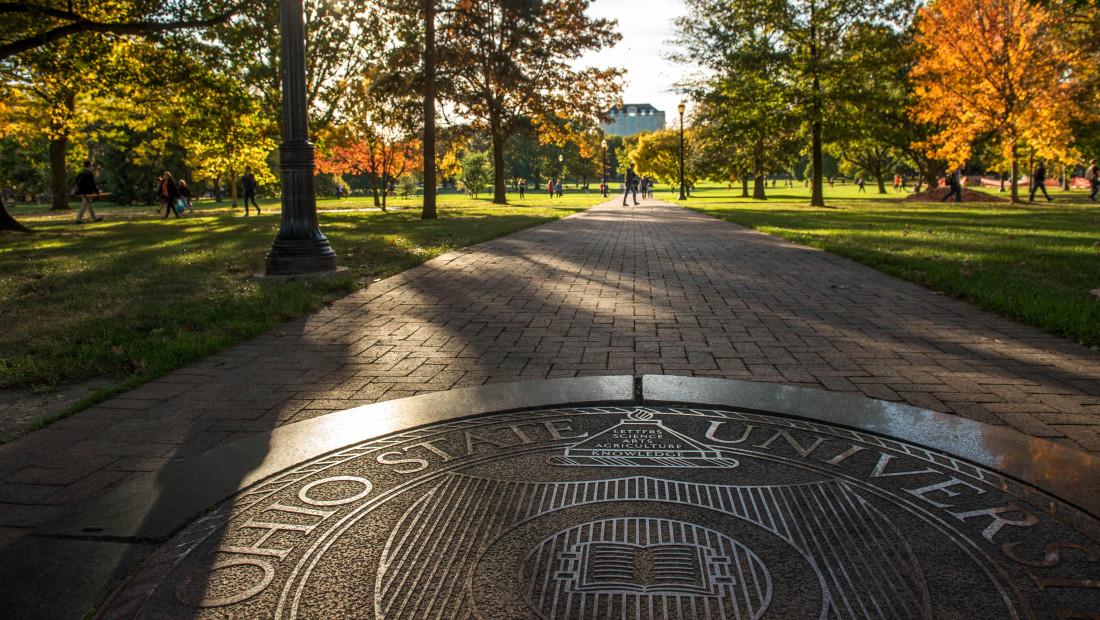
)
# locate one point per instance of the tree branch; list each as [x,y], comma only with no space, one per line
[81,24]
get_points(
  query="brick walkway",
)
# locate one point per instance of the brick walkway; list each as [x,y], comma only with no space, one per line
[648,290]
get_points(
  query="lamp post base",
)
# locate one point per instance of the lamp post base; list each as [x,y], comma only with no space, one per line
[295,257]
[268,276]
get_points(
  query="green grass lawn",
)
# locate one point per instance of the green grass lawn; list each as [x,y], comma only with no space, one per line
[1035,262]
[134,296]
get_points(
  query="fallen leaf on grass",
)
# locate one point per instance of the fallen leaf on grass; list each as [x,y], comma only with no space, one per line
[1021,263]
[117,349]
[964,273]
[1095,293]
[280,334]
[138,365]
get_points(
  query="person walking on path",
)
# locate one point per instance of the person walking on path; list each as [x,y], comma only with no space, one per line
[86,189]
[1039,181]
[248,180]
[631,185]
[1092,175]
[955,188]
[170,192]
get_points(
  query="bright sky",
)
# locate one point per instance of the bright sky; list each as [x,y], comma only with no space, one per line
[645,26]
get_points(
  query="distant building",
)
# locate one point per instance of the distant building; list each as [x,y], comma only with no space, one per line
[633,118]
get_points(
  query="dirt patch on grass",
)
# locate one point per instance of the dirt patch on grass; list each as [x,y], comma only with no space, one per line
[968,195]
[20,409]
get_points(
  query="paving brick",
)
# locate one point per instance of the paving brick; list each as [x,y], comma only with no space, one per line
[649,290]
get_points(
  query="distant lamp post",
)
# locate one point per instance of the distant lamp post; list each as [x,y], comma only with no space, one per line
[603,169]
[561,168]
[681,108]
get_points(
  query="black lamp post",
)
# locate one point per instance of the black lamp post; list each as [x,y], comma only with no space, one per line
[681,108]
[299,247]
[603,168]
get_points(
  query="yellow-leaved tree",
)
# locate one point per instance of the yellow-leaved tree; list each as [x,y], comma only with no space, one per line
[658,155]
[1000,68]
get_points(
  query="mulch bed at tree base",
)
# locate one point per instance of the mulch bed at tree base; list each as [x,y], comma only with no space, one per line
[968,195]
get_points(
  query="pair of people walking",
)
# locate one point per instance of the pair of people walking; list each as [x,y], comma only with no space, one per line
[174,195]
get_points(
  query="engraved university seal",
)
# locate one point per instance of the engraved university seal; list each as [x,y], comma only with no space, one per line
[633,513]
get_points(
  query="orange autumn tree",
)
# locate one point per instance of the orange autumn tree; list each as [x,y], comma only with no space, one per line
[999,68]
[373,137]
[378,159]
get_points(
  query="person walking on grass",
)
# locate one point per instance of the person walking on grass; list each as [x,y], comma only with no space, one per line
[1039,181]
[170,192]
[630,187]
[954,187]
[185,195]
[248,180]
[86,189]
[522,187]
[1092,175]
[157,192]
[859,182]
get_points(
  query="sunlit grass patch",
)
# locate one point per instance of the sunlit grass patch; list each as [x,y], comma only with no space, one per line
[134,297]
[1036,263]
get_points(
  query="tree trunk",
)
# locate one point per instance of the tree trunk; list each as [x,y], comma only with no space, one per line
[58,145]
[374,190]
[745,186]
[7,222]
[58,176]
[217,189]
[931,175]
[1015,188]
[385,189]
[233,188]
[881,182]
[500,196]
[758,181]
[429,212]
[817,195]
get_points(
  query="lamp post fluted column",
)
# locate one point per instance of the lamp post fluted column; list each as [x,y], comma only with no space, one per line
[299,246]
[603,170]
[681,108]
